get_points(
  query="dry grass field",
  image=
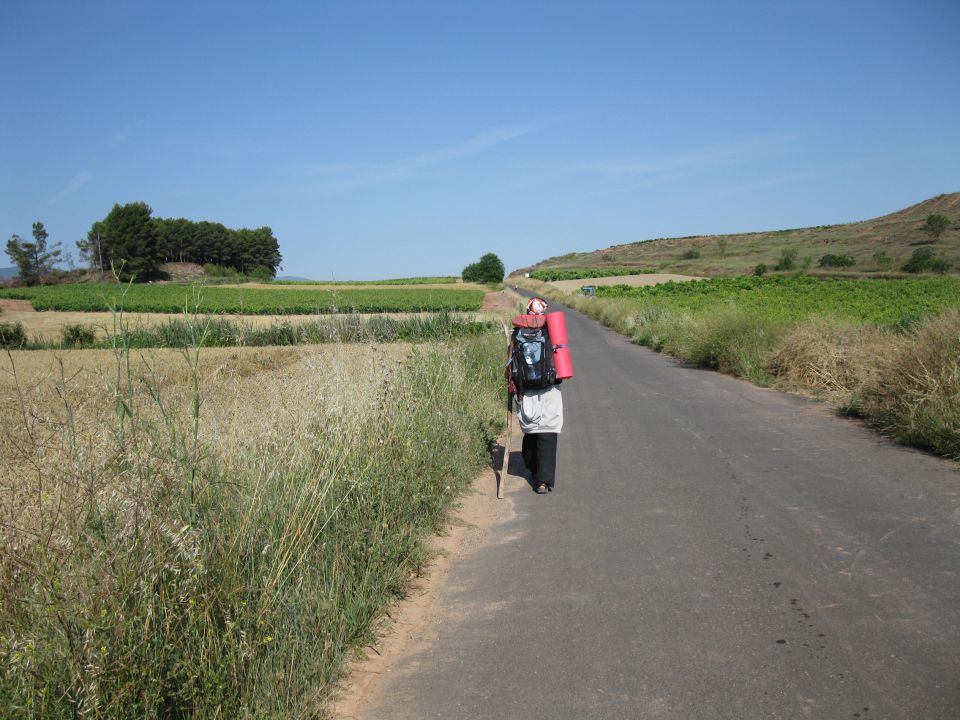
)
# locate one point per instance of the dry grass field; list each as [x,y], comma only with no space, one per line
[56,405]
[207,533]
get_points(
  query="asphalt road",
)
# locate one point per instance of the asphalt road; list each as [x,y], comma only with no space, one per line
[713,550]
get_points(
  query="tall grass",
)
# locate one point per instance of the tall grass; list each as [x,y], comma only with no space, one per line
[157,563]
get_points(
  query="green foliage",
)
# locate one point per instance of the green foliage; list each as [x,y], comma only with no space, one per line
[936,225]
[836,261]
[882,259]
[924,259]
[788,260]
[489,269]
[167,298]
[760,269]
[691,253]
[880,301]
[78,335]
[128,241]
[33,259]
[940,265]
[219,331]
[550,275]
[12,335]
[130,237]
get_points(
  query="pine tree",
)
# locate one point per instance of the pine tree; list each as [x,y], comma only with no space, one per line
[33,259]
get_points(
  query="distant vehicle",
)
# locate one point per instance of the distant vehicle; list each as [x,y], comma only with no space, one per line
[588,290]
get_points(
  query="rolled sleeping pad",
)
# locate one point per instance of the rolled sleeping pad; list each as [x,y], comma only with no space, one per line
[557,327]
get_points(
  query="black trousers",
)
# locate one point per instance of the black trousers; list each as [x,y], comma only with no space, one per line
[540,456]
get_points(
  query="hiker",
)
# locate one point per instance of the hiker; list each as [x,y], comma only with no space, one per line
[540,412]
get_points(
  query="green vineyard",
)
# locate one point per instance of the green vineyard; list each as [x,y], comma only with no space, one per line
[95,297]
[883,302]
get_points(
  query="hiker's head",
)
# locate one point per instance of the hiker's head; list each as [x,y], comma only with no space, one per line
[536,306]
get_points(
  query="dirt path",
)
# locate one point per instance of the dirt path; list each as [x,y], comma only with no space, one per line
[8,305]
[412,624]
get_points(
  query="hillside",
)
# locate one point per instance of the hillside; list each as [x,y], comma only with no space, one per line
[896,236]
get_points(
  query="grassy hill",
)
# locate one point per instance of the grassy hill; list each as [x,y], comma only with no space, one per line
[880,245]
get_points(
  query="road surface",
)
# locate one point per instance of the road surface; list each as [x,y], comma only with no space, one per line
[713,550]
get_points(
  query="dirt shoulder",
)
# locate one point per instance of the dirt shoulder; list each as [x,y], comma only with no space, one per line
[408,623]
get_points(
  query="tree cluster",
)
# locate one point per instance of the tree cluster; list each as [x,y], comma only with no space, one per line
[831,260]
[33,259]
[130,237]
[924,259]
[489,269]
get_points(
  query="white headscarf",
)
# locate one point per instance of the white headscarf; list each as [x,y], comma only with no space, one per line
[537,306]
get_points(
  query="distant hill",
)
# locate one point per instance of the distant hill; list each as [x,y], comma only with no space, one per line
[8,272]
[869,243]
[293,278]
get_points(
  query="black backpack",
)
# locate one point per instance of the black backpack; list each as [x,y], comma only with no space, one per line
[532,360]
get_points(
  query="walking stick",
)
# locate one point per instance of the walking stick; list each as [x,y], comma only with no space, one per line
[506,448]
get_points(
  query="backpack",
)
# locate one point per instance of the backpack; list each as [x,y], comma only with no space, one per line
[532,356]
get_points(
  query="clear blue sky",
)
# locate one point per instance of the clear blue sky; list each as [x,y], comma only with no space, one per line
[408,138]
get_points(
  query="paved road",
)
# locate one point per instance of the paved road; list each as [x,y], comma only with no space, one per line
[713,550]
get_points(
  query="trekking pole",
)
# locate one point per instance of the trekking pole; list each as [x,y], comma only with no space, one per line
[506,448]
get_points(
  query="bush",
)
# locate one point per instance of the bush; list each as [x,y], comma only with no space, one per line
[788,259]
[882,259]
[760,269]
[940,265]
[691,253]
[12,335]
[78,335]
[925,259]
[836,261]
[213,270]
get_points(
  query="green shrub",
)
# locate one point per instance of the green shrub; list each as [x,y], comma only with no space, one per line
[78,335]
[882,259]
[691,253]
[760,270]
[788,260]
[925,259]
[12,335]
[940,265]
[836,261]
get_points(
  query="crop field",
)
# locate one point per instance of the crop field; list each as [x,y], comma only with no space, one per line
[207,533]
[439,280]
[48,329]
[241,300]
[787,298]
[579,273]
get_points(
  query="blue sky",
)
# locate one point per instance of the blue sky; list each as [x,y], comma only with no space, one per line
[408,138]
